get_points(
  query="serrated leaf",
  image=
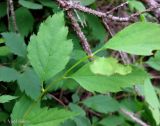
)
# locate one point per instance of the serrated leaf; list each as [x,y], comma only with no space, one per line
[100,83]
[109,66]
[15,43]
[101,103]
[30,5]
[49,50]
[24,20]
[8,74]
[136,39]
[152,100]
[6,98]
[37,116]
[154,62]
[30,83]
[48,117]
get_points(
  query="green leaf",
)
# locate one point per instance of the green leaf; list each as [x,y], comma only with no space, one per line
[30,5]
[87,2]
[98,30]
[100,83]
[154,62]
[8,74]
[134,4]
[3,116]
[24,21]
[152,100]
[82,121]
[48,117]
[4,51]
[6,98]
[101,103]
[136,39]
[49,50]
[30,83]
[3,8]
[29,114]
[109,66]
[77,109]
[112,121]
[15,43]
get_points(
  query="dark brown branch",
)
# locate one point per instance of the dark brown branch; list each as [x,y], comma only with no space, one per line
[80,34]
[76,27]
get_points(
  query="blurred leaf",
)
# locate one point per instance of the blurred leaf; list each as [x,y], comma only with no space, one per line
[136,39]
[48,52]
[30,83]
[112,121]
[152,100]
[101,103]
[8,74]
[37,116]
[98,30]
[86,2]
[6,98]
[154,62]
[3,8]
[77,109]
[100,83]
[137,5]
[109,66]
[3,116]
[15,43]
[24,20]
[82,121]
[30,4]
[4,51]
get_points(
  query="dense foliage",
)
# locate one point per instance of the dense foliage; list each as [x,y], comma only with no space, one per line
[46,78]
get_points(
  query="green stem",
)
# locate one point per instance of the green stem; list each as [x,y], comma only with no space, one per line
[51,84]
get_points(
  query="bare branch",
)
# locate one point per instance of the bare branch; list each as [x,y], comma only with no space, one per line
[80,34]
[133,117]
[11,6]
[71,5]
[116,8]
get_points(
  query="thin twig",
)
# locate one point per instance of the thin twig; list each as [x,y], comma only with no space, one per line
[116,8]
[133,117]
[58,100]
[71,5]
[123,55]
[77,29]
[80,34]
[11,6]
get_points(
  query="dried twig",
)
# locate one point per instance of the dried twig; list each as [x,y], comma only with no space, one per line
[11,6]
[77,29]
[133,117]
[116,8]
[71,5]
[80,34]
[153,3]
[58,100]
